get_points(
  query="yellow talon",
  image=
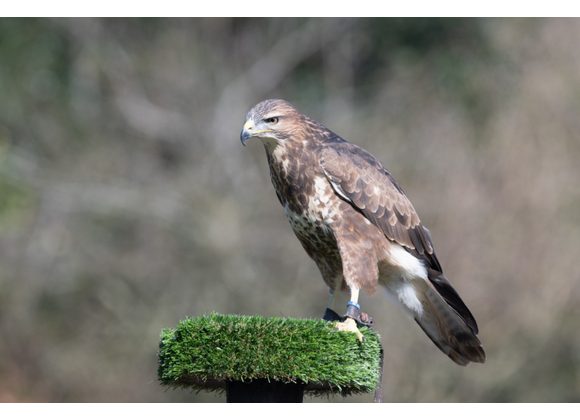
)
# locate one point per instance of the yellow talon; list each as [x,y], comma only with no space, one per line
[349,325]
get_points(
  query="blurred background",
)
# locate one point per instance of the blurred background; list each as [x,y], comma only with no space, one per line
[128,203]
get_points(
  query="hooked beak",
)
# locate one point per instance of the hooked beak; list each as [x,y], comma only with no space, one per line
[247,132]
[250,131]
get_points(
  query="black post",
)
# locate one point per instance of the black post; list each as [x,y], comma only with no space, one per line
[262,391]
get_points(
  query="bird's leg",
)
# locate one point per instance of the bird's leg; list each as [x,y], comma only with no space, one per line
[353,311]
[330,303]
[352,315]
[329,314]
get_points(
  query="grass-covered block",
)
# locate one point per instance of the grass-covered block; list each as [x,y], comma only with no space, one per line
[208,351]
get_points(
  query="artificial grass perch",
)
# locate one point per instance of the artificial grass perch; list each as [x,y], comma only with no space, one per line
[212,351]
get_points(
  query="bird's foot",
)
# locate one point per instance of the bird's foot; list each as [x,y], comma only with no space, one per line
[352,319]
[349,325]
[362,318]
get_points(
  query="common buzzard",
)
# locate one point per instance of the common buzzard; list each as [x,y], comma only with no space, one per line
[357,224]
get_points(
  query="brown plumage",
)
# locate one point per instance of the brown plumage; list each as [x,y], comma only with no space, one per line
[357,224]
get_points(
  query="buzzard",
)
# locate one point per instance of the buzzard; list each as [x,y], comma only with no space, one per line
[359,227]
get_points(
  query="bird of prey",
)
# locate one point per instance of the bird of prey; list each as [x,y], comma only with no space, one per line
[359,227]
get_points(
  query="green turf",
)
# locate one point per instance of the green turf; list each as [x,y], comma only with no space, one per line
[206,351]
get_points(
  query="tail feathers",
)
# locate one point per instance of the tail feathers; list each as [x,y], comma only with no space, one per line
[447,329]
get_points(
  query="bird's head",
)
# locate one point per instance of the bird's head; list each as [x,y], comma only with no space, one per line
[273,121]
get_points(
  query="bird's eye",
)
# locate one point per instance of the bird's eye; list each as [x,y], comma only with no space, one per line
[272,120]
